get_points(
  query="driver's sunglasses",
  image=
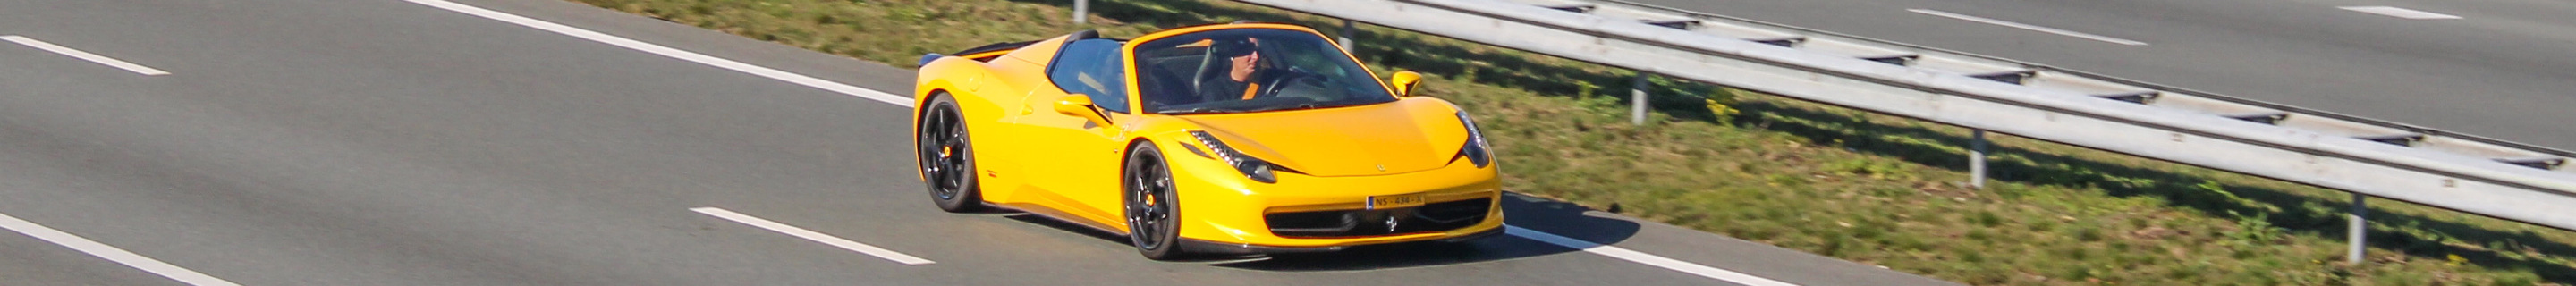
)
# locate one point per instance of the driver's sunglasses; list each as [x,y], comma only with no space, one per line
[1236,48]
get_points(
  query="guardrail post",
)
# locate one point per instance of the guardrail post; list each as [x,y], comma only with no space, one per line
[2352,253]
[1977,159]
[1637,96]
[1345,38]
[1081,11]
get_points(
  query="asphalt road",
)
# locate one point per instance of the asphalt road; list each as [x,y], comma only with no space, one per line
[330,142]
[2504,69]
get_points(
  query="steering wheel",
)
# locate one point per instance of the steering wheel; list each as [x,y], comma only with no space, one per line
[1290,75]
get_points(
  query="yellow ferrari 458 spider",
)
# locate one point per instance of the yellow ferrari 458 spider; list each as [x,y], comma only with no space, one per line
[1241,138]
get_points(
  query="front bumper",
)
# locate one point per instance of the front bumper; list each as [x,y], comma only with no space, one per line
[1222,212]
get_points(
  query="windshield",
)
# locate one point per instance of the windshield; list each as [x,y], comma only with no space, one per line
[1250,70]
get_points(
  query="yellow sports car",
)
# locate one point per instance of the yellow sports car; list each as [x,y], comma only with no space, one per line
[1241,138]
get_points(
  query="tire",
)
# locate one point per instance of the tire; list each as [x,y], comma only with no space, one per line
[1153,214]
[947,157]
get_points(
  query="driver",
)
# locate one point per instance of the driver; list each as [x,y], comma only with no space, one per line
[1241,78]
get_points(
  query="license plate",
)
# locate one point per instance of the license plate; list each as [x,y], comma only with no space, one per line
[1394,201]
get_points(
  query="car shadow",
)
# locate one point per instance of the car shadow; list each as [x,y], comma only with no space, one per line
[1554,217]
[1103,235]
[1560,218]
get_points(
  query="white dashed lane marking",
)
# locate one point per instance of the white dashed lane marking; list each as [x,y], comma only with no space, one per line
[86,56]
[2410,14]
[798,232]
[111,253]
[2027,27]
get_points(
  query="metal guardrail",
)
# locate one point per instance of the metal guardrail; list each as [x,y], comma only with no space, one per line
[2495,178]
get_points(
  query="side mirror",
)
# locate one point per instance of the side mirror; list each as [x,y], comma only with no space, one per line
[1404,82]
[1079,105]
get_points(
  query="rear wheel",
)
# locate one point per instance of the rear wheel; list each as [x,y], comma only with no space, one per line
[947,157]
[1153,214]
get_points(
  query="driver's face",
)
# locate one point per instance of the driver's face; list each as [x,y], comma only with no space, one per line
[1242,70]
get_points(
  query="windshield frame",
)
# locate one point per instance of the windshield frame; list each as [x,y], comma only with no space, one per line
[1361,85]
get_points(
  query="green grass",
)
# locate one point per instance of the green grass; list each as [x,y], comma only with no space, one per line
[1855,185]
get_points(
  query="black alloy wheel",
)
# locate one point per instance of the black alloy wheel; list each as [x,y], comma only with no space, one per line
[1153,215]
[947,157]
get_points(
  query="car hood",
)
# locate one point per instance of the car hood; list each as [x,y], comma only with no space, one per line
[1404,136]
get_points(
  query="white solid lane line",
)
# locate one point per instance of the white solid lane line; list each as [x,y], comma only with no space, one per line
[694,57]
[2410,14]
[95,58]
[2028,27]
[790,230]
[1643,258]
[111,253]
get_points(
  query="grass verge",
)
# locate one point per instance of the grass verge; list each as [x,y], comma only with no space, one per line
[1855,185]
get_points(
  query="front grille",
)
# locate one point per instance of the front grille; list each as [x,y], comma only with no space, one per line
[1432,217]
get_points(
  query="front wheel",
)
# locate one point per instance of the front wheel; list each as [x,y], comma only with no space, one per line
[1153,215]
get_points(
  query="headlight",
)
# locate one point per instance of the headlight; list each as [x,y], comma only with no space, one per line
[1253,168]
[1476,150]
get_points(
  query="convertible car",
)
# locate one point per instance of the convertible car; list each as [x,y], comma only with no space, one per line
[1236,139]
